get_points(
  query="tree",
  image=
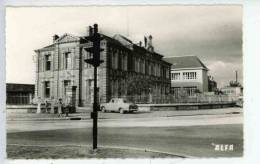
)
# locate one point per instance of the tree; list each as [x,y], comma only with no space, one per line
[234,84]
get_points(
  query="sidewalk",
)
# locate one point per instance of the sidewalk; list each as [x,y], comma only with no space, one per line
[151,114]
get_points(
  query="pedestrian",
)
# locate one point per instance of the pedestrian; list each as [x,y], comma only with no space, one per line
[60,108]
[39,105]
[67,106]
[46,106]
[52,104]
[67,110]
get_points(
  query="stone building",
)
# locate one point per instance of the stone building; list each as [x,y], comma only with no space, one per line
[128,70]
[188,75]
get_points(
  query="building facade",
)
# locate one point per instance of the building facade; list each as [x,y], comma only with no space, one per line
[188,75]
[128,70]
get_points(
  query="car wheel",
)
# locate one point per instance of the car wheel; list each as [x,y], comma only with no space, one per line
[121,111]
[103,109]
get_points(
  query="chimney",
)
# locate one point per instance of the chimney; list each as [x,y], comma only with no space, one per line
[55,37]
[145,42]
[140,44]
[90,31]
[150,43]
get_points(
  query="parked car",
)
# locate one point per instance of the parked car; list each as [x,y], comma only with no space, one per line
[118,105]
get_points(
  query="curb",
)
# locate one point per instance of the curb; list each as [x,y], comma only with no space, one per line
[51,119]
[104,118]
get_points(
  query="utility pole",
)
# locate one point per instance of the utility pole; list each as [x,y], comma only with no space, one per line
[95,62]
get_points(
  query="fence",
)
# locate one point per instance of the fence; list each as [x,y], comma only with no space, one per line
[171,99]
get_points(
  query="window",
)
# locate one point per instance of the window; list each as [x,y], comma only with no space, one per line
[88,55]
[114,60]
[159,70]
[47,89]
[189,75]
[167,73]
[152,69]
[123,61]
[47,62]
[175,76]
[142,66]
[67,61]
[146,67]
[149,69]
[112,87]
[155,69]
[190,90]
[185,75]
[66,87]
[137,65]
[175,91]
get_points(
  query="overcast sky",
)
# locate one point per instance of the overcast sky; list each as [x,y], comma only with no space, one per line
[213,33]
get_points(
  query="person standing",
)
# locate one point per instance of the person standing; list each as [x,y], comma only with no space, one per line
[67,106]
[52,105]
[60,108]
[39,105]
[46,106]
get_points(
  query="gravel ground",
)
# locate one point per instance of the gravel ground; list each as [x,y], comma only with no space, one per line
[62,152]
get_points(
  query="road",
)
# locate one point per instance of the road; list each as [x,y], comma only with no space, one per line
[187,135]
[31,122]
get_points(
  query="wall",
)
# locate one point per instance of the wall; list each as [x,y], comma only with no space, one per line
[188,82]
[205,81]
[88,74]
[57,74]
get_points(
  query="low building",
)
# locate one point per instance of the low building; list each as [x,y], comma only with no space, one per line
[19,94]
[188,75]
[232,91]
[129,70]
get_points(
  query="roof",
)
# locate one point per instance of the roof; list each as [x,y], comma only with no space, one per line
[14,87]
[185,62]
[64,38]
[120,37]
[116,39]
[49,46]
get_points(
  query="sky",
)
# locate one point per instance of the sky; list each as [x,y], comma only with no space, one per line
[213,33]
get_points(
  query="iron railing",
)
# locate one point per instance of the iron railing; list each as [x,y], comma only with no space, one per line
[171,99]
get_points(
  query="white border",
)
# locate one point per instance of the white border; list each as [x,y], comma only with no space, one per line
[251,46]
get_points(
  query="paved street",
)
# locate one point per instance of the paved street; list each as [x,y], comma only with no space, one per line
[19,126]
[191,135]
[22,115]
